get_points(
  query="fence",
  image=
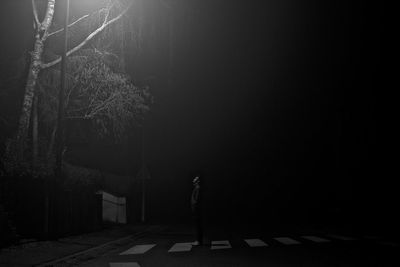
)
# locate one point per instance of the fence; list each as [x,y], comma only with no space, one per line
[39,209]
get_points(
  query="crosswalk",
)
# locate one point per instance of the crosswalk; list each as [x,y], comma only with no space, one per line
[255,243]
[315,238]
[138,249]
[287,240]
[225,244]
[222,244]
[341,237]
[182,247]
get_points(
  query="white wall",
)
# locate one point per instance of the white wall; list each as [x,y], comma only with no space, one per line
[114,208]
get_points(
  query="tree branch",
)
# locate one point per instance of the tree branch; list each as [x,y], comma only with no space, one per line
[70,25]
[101,106]
[93,99]
[108,12]
[88,38]
[76,21]
[48,18]
[35,14]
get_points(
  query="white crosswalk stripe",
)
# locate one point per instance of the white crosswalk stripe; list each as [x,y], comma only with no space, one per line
[388,243]
[255,243]
[223,244]
[341,237]
[138,249]
[315,238]
[287,240]
[373,237]
[124,264]
[180,247]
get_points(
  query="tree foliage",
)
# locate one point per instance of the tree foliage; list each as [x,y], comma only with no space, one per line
[97,85]
[97,90]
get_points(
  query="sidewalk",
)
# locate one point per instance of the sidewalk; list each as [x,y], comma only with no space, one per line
[36,253]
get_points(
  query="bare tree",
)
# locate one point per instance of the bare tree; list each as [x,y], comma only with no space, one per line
[97,90]
[111,13]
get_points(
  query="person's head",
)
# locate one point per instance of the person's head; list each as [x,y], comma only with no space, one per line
[196,180]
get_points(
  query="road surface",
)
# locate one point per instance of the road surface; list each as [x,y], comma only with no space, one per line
[172,247]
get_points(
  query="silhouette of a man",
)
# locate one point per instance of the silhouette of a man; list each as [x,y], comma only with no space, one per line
[197,210]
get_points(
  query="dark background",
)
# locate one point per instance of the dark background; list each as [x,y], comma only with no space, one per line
[275,102]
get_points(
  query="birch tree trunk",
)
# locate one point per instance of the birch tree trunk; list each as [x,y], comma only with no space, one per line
[37,64]
[33,73]
[34,69]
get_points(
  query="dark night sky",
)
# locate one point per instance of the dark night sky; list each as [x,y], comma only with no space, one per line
[270,99]
[273,98]
[258,77]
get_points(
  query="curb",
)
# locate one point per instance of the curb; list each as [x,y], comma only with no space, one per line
[54,261]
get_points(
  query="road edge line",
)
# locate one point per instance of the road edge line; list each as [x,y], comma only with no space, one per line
[47,263]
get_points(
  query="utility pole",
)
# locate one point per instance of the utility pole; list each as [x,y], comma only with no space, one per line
[143,215]
[143,175]
[60,130]
[60,117]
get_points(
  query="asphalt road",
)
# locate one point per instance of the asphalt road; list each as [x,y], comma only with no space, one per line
[172,247]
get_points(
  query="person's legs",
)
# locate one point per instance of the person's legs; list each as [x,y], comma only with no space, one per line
[199,226]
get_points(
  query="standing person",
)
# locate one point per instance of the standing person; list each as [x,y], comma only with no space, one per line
[197,210]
